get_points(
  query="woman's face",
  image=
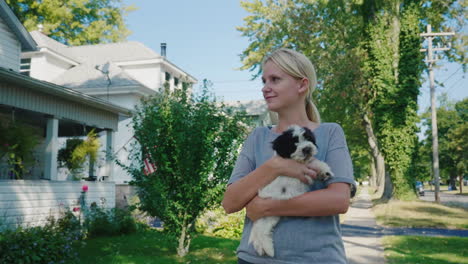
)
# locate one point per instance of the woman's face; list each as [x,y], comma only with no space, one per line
[280,90]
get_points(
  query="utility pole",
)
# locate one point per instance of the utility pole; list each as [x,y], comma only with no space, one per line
[431,60]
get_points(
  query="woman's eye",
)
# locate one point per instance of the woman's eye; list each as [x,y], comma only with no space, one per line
[275,79]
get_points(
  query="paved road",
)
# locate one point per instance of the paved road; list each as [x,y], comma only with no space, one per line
[378,231]
[447,198]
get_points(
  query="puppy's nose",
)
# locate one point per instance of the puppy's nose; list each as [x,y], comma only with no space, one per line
[306,151]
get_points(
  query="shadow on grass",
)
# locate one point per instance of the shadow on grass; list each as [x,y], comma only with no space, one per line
[431,210]
[419,222]
[151,246]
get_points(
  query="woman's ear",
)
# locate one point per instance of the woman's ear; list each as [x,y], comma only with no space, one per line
[303,85]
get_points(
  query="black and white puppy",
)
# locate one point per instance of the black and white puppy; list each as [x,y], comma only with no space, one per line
[297,143]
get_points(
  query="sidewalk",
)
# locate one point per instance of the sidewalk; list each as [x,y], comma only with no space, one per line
[361,235]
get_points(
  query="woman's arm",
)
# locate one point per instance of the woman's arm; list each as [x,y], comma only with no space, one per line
[241,192]
[329,201]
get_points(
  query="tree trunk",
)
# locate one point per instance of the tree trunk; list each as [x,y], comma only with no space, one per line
[388,188]
[373,173]
[377,156]
[184,239]
[453,181]
[461,183]
[395,37]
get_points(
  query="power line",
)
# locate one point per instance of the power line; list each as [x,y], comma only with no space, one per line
[452,74]
[453,85]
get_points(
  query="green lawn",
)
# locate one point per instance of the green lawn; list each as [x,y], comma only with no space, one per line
[425,250]
[151,247]
[420,214]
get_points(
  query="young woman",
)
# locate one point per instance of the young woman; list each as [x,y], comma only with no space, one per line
[309,231]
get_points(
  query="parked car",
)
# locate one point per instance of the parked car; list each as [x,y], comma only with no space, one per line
[420,188]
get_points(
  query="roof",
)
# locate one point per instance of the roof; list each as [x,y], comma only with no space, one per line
[60,91]
[113,52]
[97,53]
[27,42]
[44,41]
[87,76]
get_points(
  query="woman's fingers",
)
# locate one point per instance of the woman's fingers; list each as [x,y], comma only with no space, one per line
[291,168]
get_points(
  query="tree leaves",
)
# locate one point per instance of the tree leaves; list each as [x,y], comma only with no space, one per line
[75,22]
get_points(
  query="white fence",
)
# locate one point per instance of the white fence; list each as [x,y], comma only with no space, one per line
[30,203]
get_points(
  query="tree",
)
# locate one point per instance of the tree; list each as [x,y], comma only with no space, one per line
[452,119]
[194,144]
[75,22]
[369,66]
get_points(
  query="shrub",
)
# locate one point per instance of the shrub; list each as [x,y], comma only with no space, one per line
[53,243]
[101,222]
[215,222]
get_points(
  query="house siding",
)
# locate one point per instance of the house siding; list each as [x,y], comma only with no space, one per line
[39,102]
[10,48]
[46,67]
[30,203]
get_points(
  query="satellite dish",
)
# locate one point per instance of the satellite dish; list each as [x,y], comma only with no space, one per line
[105,68]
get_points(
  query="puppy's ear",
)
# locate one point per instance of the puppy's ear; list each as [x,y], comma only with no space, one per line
[285,144]
[309,135]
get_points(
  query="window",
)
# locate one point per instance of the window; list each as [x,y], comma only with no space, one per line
[168,76]
[176,81]
[25,66]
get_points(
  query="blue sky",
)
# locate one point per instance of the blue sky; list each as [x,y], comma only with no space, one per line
[202,39]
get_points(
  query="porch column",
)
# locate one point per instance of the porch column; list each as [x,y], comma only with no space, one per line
[51,143]
[110,134]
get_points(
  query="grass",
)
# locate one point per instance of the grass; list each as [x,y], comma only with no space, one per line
[443,189]
[457,192]
[420,214]
[150,246]
[427,250]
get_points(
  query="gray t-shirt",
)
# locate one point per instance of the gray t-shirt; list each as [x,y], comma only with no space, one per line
[299,239]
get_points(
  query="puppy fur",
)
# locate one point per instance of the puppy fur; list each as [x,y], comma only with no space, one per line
[297,143]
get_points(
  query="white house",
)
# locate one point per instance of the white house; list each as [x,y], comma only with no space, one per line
[120,73]
[54,111]
[256,111]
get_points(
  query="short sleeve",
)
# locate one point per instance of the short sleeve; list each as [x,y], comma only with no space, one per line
[339,159]
[245,162]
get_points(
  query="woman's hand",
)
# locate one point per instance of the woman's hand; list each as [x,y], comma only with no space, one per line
[292,168]
[257,208]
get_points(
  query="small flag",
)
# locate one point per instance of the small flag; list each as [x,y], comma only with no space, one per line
[149,167]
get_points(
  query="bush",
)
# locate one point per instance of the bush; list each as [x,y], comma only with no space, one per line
[53,243]
[101,222]
[215,222]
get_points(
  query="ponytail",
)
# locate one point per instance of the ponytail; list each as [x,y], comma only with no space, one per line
[312,111]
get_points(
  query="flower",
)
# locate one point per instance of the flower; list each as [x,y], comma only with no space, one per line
[76,209]
[84,188]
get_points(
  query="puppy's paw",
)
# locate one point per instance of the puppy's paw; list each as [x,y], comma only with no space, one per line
[264,246]
[325,175]
[268,247]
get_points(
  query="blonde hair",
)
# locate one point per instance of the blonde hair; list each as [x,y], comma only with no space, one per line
[298,66]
